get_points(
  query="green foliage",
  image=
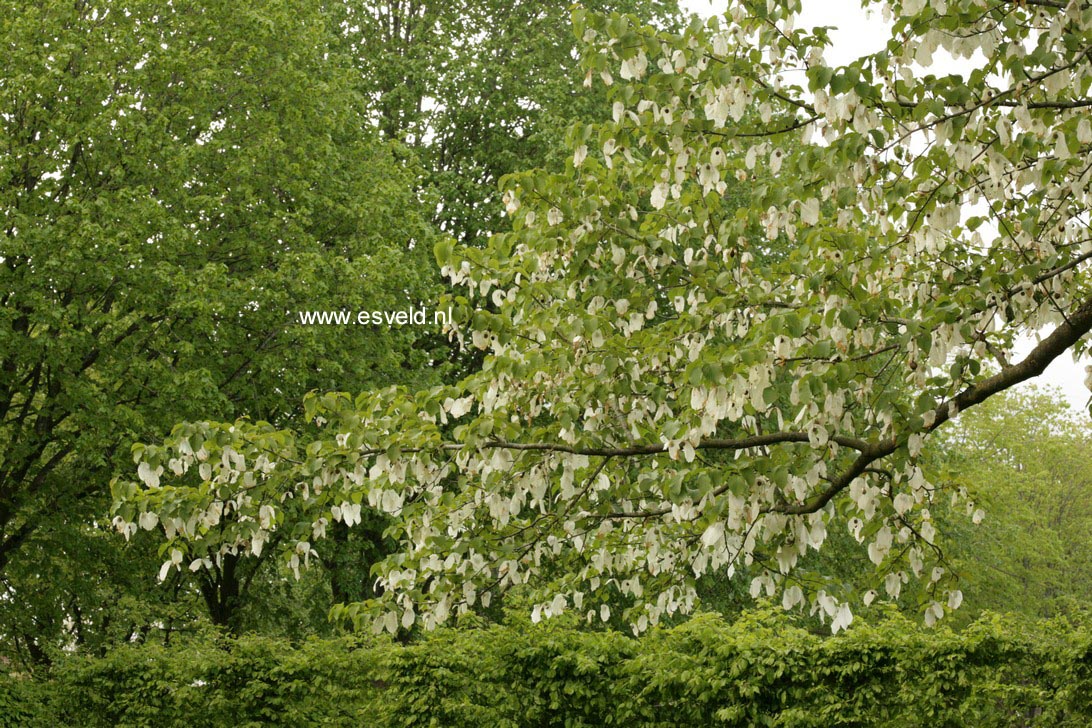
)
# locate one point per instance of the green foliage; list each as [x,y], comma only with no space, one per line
[479,89]
[251,681]
[703,342]
[674,383]
[1025,459]
[760,670]
[177,183]
[23,701]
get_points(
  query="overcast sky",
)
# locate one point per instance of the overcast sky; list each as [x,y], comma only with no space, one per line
[857,34]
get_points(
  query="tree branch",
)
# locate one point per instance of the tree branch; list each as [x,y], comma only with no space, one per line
[743,443]
[1068,333]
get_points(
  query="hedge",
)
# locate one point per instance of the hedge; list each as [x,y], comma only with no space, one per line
[758,671]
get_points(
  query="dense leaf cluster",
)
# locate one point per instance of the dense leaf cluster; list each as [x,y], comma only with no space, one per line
[761,670]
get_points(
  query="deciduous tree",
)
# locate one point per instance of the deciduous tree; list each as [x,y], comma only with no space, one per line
[176,183]
[1024,457]
[663,395]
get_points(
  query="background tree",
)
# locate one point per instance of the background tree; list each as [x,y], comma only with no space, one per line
[176,184]
[478,90]
[1024,459]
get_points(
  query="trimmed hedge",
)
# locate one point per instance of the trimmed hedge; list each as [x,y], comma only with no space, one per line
[758,671]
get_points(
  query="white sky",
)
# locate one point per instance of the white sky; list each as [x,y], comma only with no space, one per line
[857,34]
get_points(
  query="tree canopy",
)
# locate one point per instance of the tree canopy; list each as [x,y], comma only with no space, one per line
[1024,456]
[677,382]
[176,184]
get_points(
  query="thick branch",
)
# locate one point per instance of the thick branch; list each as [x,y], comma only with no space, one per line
[1060,340]
[742,443]
[817,502]
[1068,333]
[13,541]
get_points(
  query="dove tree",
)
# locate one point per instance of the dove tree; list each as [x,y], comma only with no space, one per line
[677,381]
[474,90]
